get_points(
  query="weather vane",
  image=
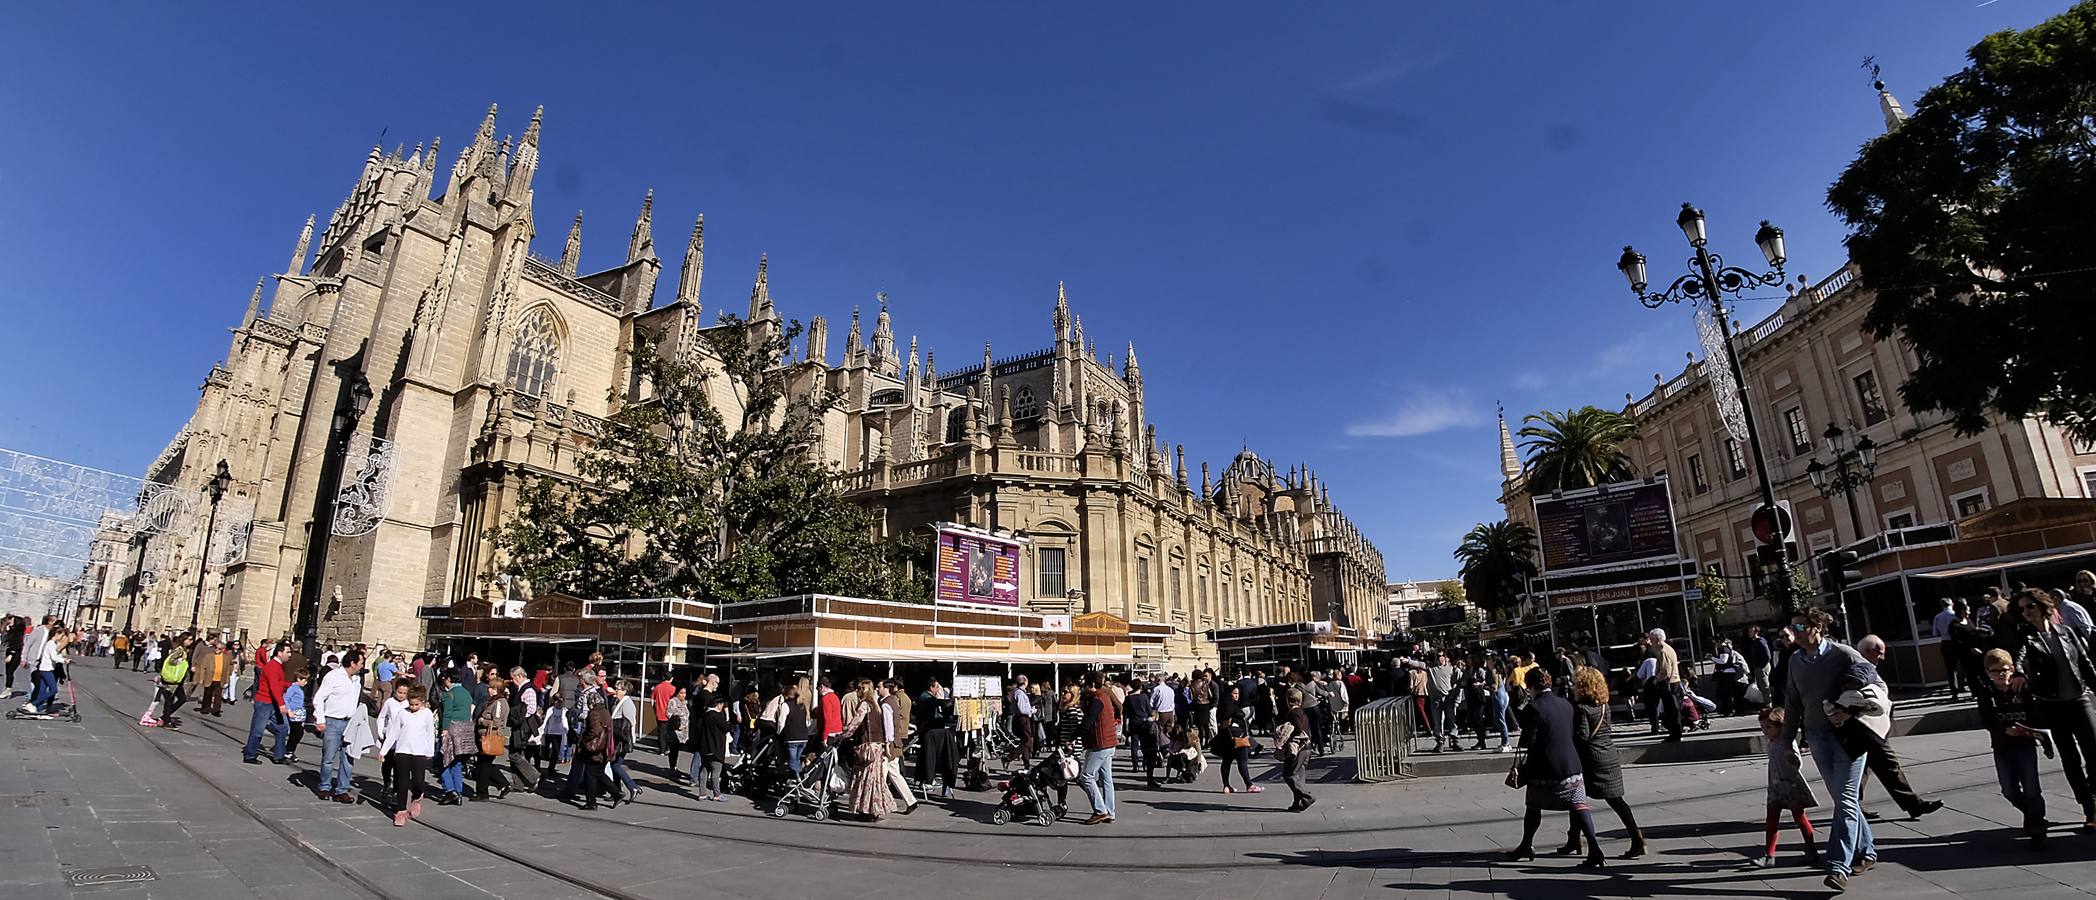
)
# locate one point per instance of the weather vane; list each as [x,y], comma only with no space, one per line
[1871,63]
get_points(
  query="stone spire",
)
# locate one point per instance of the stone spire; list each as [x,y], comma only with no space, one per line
[983,381]
[1509,460]
[1207,487]
[884,359]
[1077,332]
[909,381]
[642,244]
[760,291]
[694,264]
[852,347]
[931,371]
[571,252]
[1890,106]
[1134,371]
[1181,455]
[526,160]
[298,252]
[254,305]
[819,340]
[1062,313]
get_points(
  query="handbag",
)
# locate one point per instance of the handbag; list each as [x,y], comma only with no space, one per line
[492,744]
[1514,778]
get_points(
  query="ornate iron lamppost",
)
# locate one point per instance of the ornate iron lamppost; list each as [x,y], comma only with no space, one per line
[1709,278]
[216,487]
[1839,478]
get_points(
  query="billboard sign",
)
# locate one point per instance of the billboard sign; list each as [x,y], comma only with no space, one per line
[977,568]
[1612,525]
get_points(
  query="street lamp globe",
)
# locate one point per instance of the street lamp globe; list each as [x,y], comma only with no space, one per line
[1867,451]
[1632,265]
[1837,440]
[220,481]
[1691,222]
[1818,471]
[359,396]
[1770,240]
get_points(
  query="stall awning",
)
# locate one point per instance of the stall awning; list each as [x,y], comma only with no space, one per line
[965,656]
[1999,565]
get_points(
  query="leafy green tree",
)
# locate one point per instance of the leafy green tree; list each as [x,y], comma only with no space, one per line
[682,498]
[1452,594]
[1971,223]
[1497,559]
[1576,448]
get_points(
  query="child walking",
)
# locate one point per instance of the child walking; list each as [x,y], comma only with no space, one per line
[2006,712]
[1787,791]
[410,741]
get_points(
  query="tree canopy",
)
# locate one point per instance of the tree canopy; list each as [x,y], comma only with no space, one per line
[1576,448]
[1972,224]
[1497,559]
[682,498]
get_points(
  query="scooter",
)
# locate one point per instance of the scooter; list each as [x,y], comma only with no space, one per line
[68,711]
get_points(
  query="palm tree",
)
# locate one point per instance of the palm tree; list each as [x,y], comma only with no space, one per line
[1577,448]
[1498,560]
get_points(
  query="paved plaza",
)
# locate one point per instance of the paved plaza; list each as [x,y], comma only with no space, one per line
[107,794]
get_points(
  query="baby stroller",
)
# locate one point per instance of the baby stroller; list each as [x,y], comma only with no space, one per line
[1696,711]
[822,780]
[1038,792]
[760,770]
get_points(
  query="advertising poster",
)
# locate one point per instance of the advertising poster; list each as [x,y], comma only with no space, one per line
[1625,523]
[977,568]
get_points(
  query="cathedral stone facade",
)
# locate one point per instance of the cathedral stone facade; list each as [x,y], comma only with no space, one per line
[487,365]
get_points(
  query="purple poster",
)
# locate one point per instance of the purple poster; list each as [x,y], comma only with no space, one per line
[977,568]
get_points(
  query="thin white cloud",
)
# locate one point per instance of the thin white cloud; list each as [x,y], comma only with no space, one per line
[1393,70]
[1531,381]
[1423,411]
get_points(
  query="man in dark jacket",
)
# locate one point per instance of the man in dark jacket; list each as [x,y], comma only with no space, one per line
[1759,655]
[1142,733]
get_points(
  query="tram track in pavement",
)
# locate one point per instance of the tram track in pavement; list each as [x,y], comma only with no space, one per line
[307,849]
[1275,842]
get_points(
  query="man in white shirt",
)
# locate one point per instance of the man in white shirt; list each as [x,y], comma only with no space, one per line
[1022,720]
[338,699]
[1163,703]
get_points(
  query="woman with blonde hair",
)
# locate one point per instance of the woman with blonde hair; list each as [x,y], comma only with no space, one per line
[869,731]
[1602,765]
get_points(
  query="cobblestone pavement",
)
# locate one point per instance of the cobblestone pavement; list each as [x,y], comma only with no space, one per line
[108,793]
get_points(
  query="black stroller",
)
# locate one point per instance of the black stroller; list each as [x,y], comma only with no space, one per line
[760,771]
[1038,792]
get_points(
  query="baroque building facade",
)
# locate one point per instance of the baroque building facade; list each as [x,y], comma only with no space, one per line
[1810,364]
[487,365]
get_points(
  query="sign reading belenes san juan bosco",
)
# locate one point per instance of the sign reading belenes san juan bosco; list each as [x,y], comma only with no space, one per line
[978,567]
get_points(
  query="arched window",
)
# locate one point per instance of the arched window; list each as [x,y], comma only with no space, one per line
[1023,404]
[534,354]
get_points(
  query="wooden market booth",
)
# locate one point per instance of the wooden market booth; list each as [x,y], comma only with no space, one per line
[1908,573]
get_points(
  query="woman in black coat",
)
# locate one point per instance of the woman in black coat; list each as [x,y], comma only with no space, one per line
[1599,764]
[1550,768]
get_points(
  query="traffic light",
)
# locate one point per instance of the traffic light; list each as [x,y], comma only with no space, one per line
[1837,571]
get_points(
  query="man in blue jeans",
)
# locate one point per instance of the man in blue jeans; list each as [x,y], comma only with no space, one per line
[1102,733]
[1815,677]
[268,712]
[340,696]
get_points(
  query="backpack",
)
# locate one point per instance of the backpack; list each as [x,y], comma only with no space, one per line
[175,669]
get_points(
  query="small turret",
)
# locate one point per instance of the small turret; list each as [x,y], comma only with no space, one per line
[761,308]
[254,305]
[1062,313]
[852,348]
[642,244]
[819,340]
[1895,114]
[884,359]
[1509,460]
[694,268]
[571,252]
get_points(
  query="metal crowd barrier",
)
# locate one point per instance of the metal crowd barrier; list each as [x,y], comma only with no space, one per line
[1383,740]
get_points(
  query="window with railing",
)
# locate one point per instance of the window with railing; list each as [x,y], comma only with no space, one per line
[1050,565]
[1736,457]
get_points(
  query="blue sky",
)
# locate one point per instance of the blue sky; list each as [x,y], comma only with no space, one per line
[1338,233]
